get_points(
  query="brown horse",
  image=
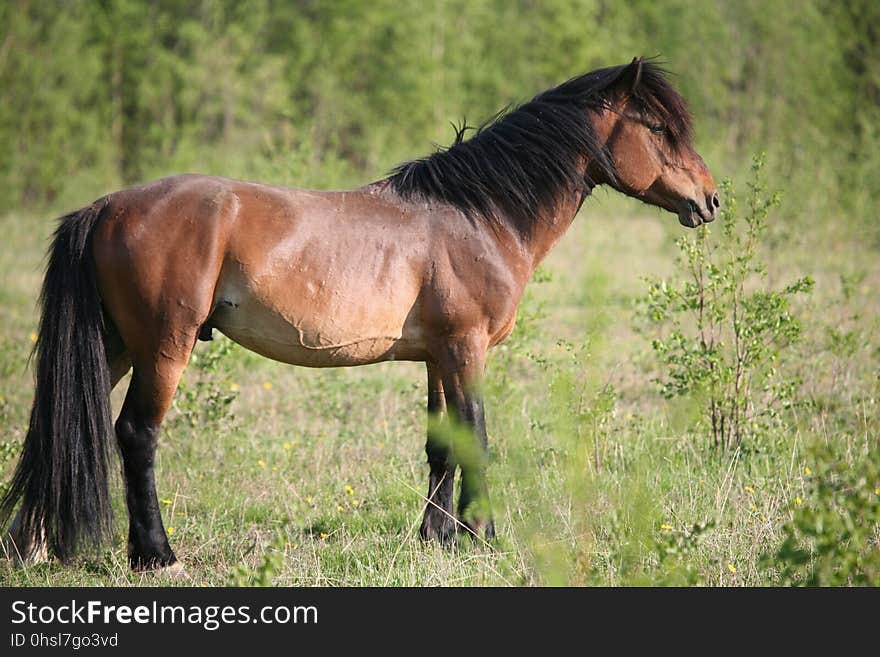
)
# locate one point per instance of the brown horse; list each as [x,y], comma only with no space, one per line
[426,265]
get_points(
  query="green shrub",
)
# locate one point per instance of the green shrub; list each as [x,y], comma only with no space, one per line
[271,564]
[833,538]
[720,329]
[677,556]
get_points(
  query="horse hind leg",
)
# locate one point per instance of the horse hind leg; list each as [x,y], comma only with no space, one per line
[137,430]
[153,383]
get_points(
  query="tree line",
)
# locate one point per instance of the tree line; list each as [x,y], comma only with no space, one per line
[95,95]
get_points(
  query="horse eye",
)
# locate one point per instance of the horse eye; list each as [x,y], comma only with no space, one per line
[658,129]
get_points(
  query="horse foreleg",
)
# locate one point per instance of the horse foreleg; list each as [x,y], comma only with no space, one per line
[462,370]
[438,523]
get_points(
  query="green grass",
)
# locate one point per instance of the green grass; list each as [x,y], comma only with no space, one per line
[317,477]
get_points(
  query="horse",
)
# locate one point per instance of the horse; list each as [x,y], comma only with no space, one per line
[428,264]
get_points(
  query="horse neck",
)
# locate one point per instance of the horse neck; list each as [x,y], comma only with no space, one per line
[547,230]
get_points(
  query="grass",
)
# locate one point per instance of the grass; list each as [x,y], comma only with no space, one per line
[317,477]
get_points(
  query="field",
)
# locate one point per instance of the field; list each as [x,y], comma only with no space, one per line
[271,474]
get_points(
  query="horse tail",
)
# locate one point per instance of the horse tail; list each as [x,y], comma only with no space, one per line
[62,474]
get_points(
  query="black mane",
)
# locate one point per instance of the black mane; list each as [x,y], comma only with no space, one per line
[520,161]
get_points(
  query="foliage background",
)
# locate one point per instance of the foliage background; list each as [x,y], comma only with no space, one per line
[101,94]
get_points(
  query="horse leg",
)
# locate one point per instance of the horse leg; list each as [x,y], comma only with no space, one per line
[137,430]
[462,369]
[438,523]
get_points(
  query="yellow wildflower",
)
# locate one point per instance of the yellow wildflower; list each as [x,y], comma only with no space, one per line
[324,535]
[798,501]
[749,489]
[731,567]
[233,387]
[286,445]
[808,471]
[877,491]
[339,507]
[33,337]
[261,463]
[166,501]
[355,503]
[267,385]
[349,489]
[666,527]
[170,530]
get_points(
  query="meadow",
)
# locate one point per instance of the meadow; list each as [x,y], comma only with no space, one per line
[272,474]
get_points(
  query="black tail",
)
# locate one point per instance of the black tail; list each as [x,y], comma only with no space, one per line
[62,476]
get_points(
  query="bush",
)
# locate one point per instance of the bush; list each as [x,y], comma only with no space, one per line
[832,538]
[720,329]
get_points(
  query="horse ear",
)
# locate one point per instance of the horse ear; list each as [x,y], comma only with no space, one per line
[632,75]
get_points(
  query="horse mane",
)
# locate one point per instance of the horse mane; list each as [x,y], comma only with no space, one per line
[521,160]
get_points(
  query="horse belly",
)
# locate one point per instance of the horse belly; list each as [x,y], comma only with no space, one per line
[302,334]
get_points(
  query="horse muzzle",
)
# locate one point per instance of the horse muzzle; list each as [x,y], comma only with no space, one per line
[692,214]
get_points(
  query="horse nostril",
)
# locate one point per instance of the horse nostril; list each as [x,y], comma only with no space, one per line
[712,203]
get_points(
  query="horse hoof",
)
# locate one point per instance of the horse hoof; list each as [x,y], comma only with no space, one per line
[444,536]
[437,528]
[173,571]
[480,531]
